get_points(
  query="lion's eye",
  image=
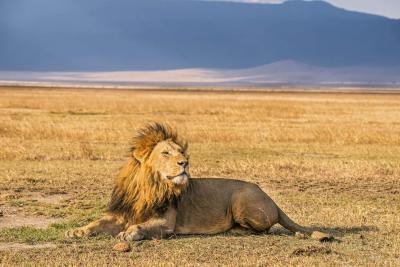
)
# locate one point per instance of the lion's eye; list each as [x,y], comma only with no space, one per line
[165,153]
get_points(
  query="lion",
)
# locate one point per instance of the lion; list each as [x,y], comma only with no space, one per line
[154,197]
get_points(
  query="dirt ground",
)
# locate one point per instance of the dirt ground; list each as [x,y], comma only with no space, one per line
[330,160]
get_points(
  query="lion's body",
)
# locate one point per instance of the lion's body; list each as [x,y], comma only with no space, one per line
[154,197]
[220,204]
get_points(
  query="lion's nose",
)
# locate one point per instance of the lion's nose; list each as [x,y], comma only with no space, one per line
[183,163]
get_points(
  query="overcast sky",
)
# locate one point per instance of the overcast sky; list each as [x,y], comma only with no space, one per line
[388,8]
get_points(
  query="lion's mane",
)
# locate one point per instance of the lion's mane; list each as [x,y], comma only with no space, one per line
[138,192]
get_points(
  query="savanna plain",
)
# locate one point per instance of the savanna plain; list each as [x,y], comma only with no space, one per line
[331,161]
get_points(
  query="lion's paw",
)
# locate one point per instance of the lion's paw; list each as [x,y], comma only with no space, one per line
[77,232]
[130,235]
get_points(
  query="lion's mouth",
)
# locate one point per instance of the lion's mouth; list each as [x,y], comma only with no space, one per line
[181,174]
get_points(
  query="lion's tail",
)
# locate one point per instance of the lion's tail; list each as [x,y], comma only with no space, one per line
[286,222]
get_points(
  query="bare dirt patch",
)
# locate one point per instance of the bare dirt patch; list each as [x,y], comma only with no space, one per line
[13,217]
[45,198]
[48,198]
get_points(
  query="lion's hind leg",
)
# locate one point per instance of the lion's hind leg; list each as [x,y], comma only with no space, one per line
[109,224]
[252,209]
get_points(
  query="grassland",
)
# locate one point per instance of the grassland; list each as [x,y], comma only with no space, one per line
[330,160]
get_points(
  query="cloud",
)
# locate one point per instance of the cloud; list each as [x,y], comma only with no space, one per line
[388,8]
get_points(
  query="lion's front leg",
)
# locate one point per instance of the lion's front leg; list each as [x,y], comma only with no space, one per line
[133,233]
[155,228]
[110,224]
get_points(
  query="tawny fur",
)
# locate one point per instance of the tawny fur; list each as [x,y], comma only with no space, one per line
[138,191]
[148,202]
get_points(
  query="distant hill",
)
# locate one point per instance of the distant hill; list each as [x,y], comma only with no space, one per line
[279,73]
[118,35]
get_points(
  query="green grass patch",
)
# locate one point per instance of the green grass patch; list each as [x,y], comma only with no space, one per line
[31,234]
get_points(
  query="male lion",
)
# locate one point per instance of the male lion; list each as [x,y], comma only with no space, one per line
[155,197]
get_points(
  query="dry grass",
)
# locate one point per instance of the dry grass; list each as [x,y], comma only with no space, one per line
[331,161]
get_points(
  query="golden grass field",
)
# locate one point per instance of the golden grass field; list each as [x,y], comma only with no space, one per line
[330,160]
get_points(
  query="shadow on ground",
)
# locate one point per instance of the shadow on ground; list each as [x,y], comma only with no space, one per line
[343,231]
[335,231]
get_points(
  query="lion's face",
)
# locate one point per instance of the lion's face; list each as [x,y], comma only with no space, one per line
[171,162]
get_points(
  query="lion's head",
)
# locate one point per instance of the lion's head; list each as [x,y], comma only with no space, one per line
[170,162]
[156,174]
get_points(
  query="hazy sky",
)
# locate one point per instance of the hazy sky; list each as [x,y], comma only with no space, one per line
[388,8]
